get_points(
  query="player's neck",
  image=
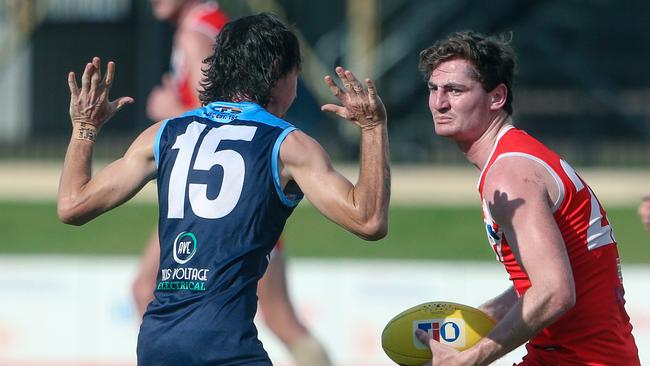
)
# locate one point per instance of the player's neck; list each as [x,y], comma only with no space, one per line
[275,110]
[478,151]
[272,108]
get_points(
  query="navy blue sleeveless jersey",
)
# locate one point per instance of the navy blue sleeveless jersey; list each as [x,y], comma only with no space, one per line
[222,209]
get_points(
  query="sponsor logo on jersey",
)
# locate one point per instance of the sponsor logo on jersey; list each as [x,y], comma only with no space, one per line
[184,247]
[492,234]
[224,113]
[183,278]
[226,109]
[450,331]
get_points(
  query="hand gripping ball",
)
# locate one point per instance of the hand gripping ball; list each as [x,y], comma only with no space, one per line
[456,325]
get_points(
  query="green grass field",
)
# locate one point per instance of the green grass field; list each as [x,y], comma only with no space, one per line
[445,233]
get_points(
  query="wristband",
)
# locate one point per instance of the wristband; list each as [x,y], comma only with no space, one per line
[85,131]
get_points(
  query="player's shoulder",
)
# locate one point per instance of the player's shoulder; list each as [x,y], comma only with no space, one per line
[509,171]
[520,181]
[518,161]
[518,177]
[299,149]
[150,132]
[143,145]
[205,18]
[517,142]
[300,142]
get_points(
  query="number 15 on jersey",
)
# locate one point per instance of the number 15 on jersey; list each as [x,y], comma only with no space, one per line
[232,162]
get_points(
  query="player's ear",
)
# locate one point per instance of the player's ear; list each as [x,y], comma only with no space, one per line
[498,97]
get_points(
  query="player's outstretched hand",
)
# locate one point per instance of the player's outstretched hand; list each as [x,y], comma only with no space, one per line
[361,106]
[90,104]
[442,355]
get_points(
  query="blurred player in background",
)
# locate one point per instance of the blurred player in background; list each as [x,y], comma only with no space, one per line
[197,25]
[644,211]
[543,221]
[217,227]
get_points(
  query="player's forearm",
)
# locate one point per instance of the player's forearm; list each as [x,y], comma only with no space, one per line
[76,173]
[499,306]
[533,312]
[371,195]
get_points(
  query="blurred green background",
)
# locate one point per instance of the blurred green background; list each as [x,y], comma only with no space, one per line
[581,87]
[432,232]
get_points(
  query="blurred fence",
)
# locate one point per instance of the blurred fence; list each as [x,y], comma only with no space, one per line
[580,85]
[345,303]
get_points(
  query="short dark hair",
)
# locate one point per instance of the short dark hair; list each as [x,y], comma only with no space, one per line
[250,55]
[492,58]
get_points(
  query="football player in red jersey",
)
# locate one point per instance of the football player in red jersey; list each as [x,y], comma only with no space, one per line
[543,221]
[197,24]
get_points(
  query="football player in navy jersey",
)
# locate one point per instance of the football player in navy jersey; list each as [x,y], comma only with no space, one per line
[229,175]
[197,23]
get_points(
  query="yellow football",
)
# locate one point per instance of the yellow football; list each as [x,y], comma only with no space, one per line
[456,325]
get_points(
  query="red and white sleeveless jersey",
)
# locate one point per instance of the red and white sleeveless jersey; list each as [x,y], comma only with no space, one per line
[597,330]
[207,19]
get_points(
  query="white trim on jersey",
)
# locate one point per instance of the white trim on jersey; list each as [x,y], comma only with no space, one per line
[572,175]
[503,131]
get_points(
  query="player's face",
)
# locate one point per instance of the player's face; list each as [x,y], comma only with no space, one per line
[284,93]
[166,9]
[459,105]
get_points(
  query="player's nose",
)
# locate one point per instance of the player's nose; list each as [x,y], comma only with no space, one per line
[440,100]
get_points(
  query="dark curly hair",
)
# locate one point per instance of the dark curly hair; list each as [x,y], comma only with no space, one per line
[250,55]
[492,57]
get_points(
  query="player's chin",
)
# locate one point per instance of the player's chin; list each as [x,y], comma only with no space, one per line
[444,129]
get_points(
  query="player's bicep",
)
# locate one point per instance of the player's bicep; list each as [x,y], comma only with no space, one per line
[304,161]
[517,196]
[123,178]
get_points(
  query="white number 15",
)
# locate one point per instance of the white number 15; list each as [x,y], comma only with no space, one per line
[207,157]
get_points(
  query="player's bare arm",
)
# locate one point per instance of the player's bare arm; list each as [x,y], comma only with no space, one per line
[361,208]
[83,196]
[496,308]
[145,280]
[644,211]
[521,192]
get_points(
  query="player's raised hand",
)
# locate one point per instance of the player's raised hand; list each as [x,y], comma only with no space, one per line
[91,104]
[361,106]
[442,355]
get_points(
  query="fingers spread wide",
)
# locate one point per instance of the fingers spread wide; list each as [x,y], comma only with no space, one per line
[72,84]
[85,77]
[336,109]
[336,91]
